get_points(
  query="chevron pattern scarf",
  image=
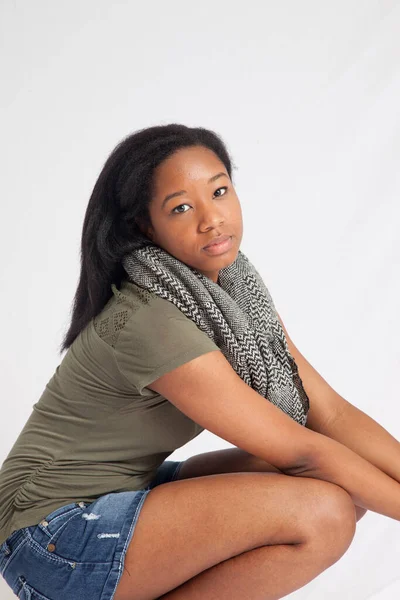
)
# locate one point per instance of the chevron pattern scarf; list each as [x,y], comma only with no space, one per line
[237,313]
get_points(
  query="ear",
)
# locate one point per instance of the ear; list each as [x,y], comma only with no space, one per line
[147,232]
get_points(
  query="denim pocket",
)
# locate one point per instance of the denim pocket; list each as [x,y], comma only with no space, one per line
[57,519]
[45,535]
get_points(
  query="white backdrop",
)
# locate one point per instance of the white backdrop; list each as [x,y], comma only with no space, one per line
[306,96]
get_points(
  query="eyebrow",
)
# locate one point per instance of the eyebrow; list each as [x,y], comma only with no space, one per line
[175,194]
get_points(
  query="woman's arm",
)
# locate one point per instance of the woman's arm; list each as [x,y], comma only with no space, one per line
[210,392]
[368,486]
[356,452]
[355,429]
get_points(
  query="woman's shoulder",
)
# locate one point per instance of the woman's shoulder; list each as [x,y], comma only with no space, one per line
[126,299]
[156,337]
[132,294]
[137,313]
[145,304]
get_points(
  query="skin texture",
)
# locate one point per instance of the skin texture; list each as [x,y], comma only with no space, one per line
[188,222]
[232,460]
[235,536]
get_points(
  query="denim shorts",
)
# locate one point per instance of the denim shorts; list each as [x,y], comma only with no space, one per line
[77,552]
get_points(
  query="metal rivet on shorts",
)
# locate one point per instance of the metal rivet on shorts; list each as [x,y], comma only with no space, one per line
[7,551]
[44,523]
[51,547]
[73,565]
[82,504]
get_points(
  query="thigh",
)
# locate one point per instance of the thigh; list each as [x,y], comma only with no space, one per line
[187,526]
[231,460]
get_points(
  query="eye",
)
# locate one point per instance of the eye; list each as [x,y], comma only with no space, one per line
[225,187]
[179,212]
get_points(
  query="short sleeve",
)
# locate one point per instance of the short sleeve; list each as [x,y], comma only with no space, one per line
[156,339]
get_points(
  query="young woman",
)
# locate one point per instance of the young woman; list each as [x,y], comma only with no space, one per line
[173,333]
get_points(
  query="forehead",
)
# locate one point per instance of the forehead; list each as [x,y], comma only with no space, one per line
[188,165]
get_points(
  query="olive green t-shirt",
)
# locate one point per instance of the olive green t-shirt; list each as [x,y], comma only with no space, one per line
[97,428]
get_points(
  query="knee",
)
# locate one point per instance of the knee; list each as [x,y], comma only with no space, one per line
[334,519]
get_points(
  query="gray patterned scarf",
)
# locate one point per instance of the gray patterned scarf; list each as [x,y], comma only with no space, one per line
[237,313]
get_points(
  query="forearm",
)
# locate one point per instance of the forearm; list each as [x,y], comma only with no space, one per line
[368,486]
[359,432]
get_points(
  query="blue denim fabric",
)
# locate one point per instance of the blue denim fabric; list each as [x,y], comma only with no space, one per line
[77,552]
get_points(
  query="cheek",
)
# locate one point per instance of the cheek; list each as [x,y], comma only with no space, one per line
[236,213]
[175,240]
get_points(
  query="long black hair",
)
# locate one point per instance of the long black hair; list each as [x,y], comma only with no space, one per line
[119,201]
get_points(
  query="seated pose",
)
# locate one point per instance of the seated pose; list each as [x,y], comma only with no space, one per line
[173,331]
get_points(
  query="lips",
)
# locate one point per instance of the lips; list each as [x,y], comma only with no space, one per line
[218,240]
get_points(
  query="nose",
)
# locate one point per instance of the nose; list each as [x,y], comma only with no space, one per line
[210,216]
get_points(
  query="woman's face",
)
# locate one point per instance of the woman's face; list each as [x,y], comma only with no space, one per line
[205,205]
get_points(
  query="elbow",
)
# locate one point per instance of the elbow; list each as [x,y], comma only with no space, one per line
[304,463]
[302,466]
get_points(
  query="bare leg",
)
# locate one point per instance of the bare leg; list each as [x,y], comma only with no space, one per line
[265,573]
